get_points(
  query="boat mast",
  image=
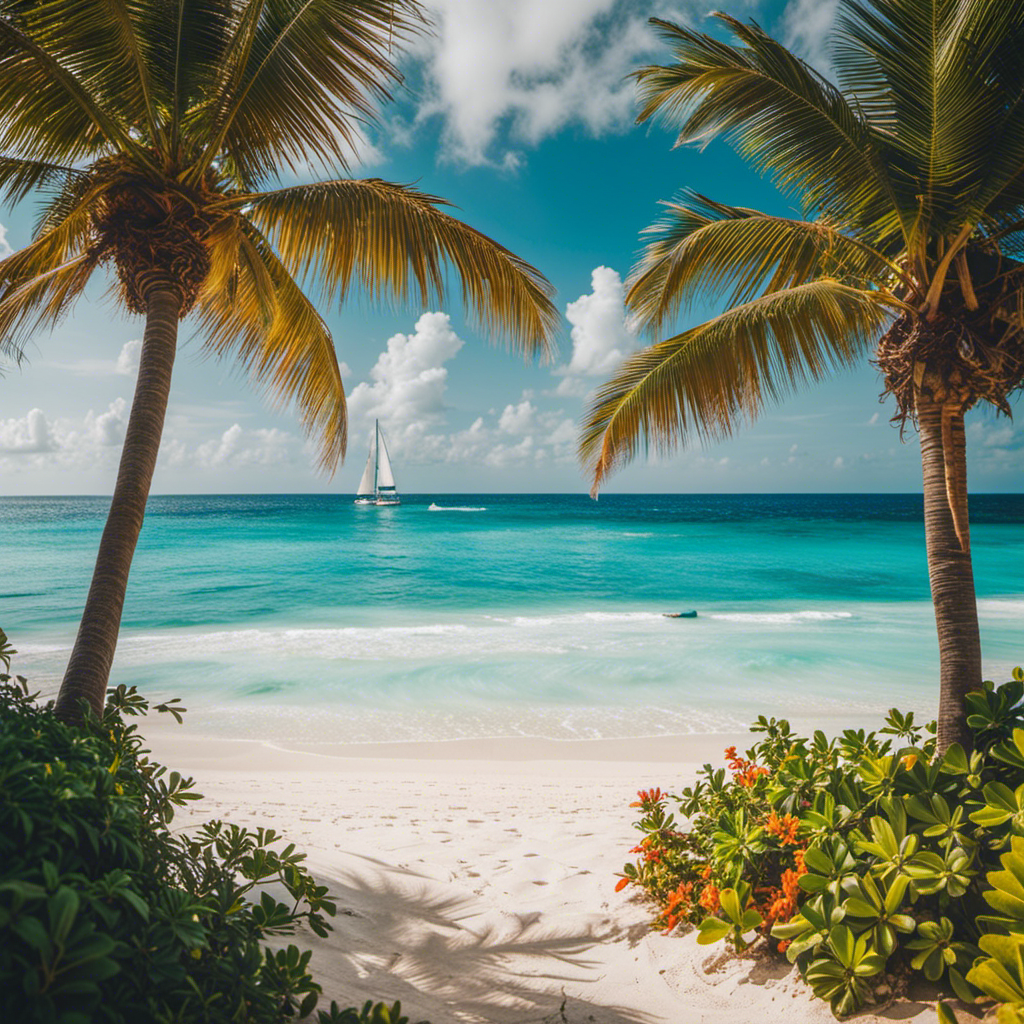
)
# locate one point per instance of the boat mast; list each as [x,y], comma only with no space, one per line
[376,454]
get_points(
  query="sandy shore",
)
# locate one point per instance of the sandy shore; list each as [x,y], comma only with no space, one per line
[475,880]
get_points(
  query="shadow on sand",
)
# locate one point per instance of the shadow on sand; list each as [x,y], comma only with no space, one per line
[451,960]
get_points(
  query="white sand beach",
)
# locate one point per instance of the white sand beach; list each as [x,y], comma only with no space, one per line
[476,881]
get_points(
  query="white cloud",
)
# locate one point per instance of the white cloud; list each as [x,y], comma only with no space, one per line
[126,364]
[5,246]
[28,434]
[409,380]
[601,335]
[518,419]
[527,68]
[93,443]
[128,358]
[406,392]
[874,420]
[806,25]
[238,447]
[108,428]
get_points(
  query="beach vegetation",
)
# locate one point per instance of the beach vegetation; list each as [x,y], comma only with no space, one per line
[110,916]
[864,860]
[169,143]
[907,249]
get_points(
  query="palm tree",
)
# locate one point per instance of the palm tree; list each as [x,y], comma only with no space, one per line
[910,175]
[154,131]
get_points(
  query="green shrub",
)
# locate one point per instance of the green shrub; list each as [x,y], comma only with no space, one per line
[108,916]
[858,857]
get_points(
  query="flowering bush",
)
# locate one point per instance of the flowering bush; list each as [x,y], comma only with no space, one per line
[856,858]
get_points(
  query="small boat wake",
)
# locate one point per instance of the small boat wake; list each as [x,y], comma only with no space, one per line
[433,507]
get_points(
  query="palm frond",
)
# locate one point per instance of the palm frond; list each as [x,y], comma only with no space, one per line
[783,117]
[40,302]
[394,241]
[39,282]
[997,29]
[299,75]
[705,381]
[104,43]
[47,113]
[184,42]
[702,248]
[252,310]
[922,69]
[20,177]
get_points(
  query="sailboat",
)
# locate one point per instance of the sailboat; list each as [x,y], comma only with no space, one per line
[377,486]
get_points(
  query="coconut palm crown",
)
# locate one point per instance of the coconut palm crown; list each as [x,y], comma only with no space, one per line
[157,134]
[910,176]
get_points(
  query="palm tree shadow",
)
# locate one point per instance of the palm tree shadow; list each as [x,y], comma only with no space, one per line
[400,935]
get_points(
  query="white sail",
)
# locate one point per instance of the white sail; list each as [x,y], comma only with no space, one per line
[367,485]
[385,478]
[377,486]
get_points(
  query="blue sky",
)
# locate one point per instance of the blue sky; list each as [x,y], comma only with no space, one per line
[517,111]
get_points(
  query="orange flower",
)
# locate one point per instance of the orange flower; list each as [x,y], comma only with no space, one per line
[784,944]
[621,884]
[743,771]
[909,761]
[680,897]
[791,884]
[798,857]
[782,909]
[784,829]
[649,797]
[709,899]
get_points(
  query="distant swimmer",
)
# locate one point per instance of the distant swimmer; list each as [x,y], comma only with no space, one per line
[680,615]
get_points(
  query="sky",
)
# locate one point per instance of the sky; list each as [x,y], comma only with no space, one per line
[519,112]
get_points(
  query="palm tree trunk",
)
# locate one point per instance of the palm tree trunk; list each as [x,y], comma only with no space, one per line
[944,462]
[89,666]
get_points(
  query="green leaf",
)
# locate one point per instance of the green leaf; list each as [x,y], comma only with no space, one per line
[62,908]
[711,930]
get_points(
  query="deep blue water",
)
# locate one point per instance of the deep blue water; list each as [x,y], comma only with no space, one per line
[495,614]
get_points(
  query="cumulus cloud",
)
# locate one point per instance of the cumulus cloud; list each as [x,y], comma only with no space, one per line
[5,246]
[35,442]
[406,392]
[806,26]
[63,442]
[128,359]
[238,447]
[527,68]
[992,433]
[518,419]
[27,434]
[601,335]
[108,428]
[409,379]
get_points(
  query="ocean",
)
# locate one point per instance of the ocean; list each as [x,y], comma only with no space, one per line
[307,618]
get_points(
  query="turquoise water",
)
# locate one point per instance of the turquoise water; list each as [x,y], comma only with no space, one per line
[307,617]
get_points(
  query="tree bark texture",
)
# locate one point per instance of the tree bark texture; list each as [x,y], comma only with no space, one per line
[944,462]
[89,666]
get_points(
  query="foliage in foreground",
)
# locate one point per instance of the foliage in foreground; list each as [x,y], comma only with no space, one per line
[107,916]
[863,859]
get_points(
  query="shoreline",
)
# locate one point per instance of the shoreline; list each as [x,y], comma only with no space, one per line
[219,752]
